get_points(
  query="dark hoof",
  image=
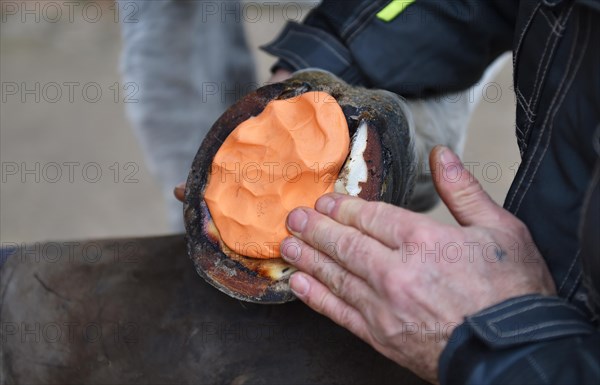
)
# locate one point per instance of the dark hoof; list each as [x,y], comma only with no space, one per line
[381,152]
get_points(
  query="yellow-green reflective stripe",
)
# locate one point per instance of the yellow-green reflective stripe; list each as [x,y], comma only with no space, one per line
[393,9]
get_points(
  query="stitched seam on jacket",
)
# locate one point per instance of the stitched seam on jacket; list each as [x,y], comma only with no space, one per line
[557,29]
[539,327]
[575,282]
[361,27]
[540,302]
[538,336]
[523,310]
[540,80]
[568,272]
[510,302]
[532,337]
[543,129]
[561,93]
[327,45]
[563,332]
[525,29]
[369,8]
[290,56]
[555,39]
[352,19]
[548,17]
[530,115]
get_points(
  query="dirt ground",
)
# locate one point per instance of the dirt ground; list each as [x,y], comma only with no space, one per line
[71,167]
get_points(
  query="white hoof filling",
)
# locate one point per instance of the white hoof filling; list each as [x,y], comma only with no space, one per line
[354,172]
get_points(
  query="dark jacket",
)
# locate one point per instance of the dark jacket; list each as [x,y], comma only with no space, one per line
[439,46]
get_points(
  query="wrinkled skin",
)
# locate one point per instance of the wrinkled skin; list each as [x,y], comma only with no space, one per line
[373,268]
[392,276]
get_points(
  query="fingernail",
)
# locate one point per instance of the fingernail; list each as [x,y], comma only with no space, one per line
[179,191]
[299,284]
[296,220]
[290,249]
[325,204]
[449,158]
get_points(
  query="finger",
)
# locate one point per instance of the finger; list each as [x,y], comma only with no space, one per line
[179,191]
[384,222]
[357,252]
[319,298]
[461,191]
[341,282]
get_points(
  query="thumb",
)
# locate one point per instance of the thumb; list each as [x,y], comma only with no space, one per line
[460,191]
[179,191]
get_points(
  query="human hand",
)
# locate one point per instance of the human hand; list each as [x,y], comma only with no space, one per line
[402,281]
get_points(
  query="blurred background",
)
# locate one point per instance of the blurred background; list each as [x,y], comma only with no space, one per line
[71,165]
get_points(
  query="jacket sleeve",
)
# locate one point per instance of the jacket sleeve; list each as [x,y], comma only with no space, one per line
[525,340]
[431,47]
